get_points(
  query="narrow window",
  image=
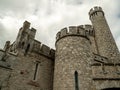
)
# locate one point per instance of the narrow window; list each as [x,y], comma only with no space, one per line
[27,49]
[76,80]
[36,70]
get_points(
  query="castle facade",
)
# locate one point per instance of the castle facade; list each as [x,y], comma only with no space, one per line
[86,58]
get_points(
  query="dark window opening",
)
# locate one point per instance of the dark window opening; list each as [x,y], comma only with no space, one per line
[76,80]
[36,70]
[27,49]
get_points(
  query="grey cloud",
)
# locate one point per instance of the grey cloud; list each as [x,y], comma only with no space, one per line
[12,5]
[73,2]
[35,11]
[49,16]
[3,34]
[118,15]
[1,29]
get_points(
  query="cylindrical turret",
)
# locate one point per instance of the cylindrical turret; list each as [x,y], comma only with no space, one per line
[105,42]
[72,60]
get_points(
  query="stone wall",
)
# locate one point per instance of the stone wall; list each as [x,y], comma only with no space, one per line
[86,58]
[6,67]
[73,54]
[106,75]
[104,40]
[43,49]
[23,76]
[19,72]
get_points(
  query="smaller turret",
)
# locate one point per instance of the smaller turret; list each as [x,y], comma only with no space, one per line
[94,11]
[104,40]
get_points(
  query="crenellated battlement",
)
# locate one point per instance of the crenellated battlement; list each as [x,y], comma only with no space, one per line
[43,49]
[33,30]
[93,11]
[81,30]
[88,29]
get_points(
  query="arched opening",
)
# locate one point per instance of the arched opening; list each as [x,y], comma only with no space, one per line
[76,80]
[27,49]
[111,88]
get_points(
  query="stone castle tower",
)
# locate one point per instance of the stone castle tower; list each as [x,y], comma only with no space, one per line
[86,58]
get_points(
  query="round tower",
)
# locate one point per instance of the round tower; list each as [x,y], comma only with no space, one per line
[72,60]
[105,42]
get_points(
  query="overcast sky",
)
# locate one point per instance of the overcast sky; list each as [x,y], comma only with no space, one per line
[49,16]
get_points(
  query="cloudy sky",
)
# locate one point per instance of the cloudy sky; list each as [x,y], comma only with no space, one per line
[49,16]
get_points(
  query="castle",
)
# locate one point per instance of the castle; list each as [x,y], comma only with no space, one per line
[86,58]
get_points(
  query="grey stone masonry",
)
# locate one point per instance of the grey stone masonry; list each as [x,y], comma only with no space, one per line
[86,58]
[105,42]
[43,49]
[72,52]
[73,31]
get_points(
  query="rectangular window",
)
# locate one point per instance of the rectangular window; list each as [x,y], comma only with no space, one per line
[36,70]
[76,80]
